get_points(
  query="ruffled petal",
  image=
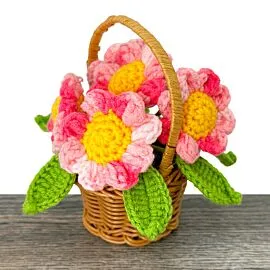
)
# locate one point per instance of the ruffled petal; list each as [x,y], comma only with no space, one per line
[74,125]
[211,85]
[164,104]
[58,137]
[125,53]
[50,125]
[149,131]
[71,151]
[166,125]
[190,81]
[99,73]
[68,105]
[226,121]
[139,156]
[150,91]
[121,176]
[153,69]
[215,143]
[134,111]
[187,148]
[71,87]
[223,98]
[148,58]
[97,100]
[91,175]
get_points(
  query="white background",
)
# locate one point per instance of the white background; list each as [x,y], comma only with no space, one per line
[40,41]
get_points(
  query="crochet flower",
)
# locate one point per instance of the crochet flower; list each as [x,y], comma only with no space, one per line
[207,118]
[69,100]
[126,67]
[110,142]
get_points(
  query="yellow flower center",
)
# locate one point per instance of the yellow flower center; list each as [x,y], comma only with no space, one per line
[127,78]
[200,115]
[55,107]
[106,138]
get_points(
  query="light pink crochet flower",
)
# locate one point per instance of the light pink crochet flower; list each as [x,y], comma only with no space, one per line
[207,119]
[126,67]
[110,142]
[69,100]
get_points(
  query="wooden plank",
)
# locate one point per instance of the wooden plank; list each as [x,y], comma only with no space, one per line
[210,237]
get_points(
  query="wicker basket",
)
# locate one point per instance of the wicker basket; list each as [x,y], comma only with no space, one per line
[104,213]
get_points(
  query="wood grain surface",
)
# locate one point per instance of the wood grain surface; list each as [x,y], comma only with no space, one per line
[210,237]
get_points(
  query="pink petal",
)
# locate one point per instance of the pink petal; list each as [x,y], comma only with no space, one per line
[164,104]
[124,53]
[150,91]
[223,98]
[149,131]
[166,125]
[71,87]
[153,69]
[134,112]
[97,100]
[99,73]
[226,121]
[57,133]
[68,105]
[139,156]
[50,125]
[70,152]
[91,175]
[187,148]
[74,125]
[190,81]
[148,58]
[119,105]
[211,86]
[121,176]
[215,143]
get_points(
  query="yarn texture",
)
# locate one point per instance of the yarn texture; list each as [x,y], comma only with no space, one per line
[129,66]
[207,119]
[227,159]
[42,121]
[69,100]
[148,204]
[131,162]
[209,181]
[49,187]
[109,142]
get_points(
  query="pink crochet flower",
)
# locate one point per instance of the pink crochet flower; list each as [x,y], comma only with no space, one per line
[126,67]
[207,119]
[69,100]
[110,142]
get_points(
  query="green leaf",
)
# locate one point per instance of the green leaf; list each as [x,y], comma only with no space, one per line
[148,204]
[209,181]
[42,121]
[49,187]
[227,159]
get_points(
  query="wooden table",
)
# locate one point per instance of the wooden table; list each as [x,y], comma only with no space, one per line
[210,237]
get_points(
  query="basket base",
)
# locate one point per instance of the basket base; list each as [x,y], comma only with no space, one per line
[104,213]
[135,241]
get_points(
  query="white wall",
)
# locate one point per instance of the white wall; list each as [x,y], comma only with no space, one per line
[40,41]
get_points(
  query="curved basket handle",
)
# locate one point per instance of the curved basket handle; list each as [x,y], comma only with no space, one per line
[169,73]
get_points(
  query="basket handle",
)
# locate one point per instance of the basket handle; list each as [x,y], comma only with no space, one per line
[169,73]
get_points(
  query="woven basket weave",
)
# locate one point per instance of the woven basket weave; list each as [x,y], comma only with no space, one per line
[104,213]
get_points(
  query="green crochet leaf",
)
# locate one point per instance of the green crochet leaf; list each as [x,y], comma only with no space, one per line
[148,204]
[49,187]
[42,121]
[227,159]
[209,181]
